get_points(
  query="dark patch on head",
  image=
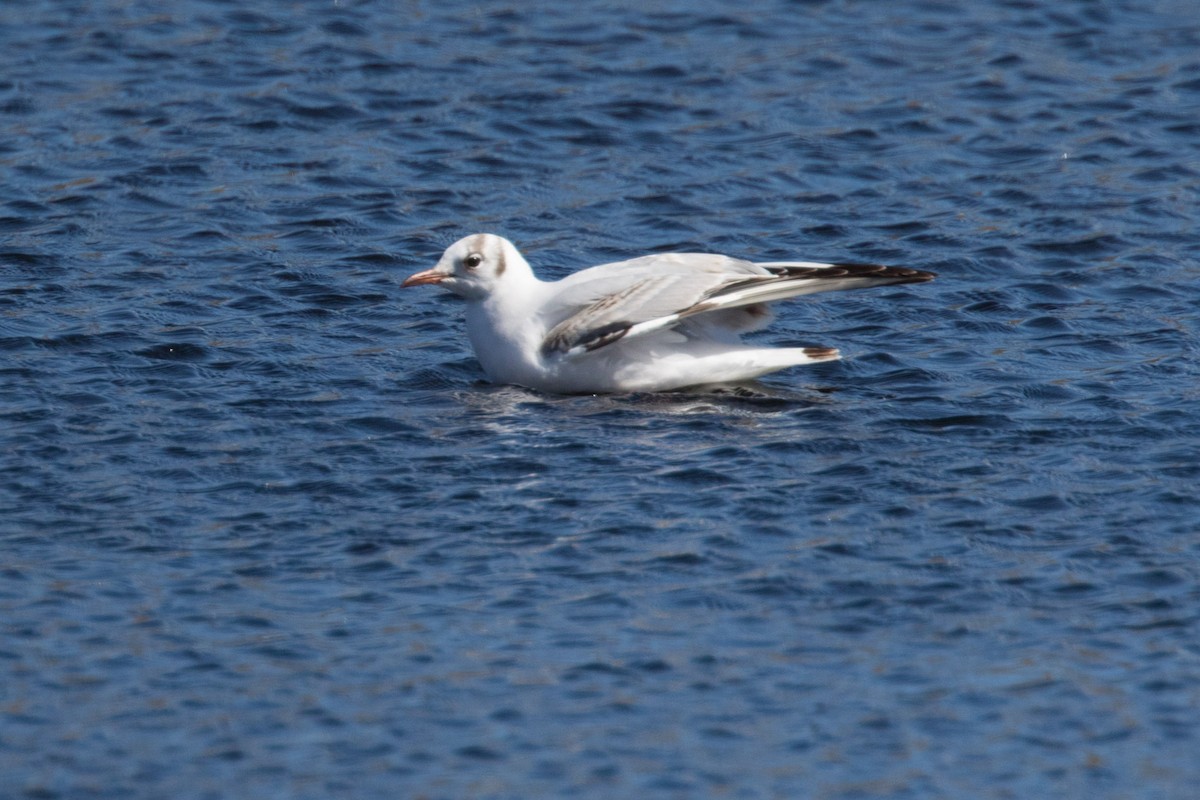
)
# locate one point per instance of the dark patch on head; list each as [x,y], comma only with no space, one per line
[500,264]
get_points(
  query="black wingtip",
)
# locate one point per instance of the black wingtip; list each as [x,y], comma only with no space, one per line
[856,269]
[822,353]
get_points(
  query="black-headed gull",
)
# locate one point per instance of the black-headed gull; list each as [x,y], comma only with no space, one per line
[649,324]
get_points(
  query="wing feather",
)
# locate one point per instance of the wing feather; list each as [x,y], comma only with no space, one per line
[800,278]
[633,298]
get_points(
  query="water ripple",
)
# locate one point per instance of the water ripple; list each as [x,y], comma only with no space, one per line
[267,526]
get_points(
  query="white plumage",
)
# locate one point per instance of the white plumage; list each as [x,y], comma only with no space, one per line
[652,323]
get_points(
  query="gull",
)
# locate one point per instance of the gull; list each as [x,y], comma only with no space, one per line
[649,324]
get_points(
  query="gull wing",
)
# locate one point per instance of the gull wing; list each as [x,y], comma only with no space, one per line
[632,298]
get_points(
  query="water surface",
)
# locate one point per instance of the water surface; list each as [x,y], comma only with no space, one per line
[267,531]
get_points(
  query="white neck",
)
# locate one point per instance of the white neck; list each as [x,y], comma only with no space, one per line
[505,334]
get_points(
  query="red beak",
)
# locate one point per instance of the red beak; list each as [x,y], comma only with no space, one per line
[428,276]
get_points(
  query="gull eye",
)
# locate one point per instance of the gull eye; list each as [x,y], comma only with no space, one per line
[472,261]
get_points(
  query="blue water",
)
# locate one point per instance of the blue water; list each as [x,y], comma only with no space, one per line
[267,532]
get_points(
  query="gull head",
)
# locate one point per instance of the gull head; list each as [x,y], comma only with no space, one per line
[473,266]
